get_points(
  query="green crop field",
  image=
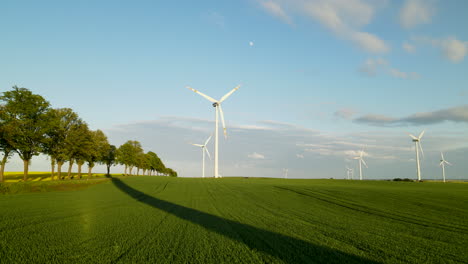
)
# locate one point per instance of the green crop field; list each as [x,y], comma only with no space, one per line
[167,220]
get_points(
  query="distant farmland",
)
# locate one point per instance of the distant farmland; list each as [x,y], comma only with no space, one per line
[162,219]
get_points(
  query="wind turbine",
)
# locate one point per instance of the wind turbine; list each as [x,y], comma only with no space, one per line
[218,111]
[442,164]
[417,143]
[361,161]
[285,173]
[204,149]
[349,173]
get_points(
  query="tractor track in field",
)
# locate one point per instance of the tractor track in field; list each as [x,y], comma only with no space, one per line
[371,211]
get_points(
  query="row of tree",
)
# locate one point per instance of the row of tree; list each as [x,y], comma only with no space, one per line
[29,126]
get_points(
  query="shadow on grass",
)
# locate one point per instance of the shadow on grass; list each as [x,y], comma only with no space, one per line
[278,246]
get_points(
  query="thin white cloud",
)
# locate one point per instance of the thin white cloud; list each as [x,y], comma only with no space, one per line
[409,48]
[451,48]
[416,12]
[372,66]
[256,155]
[454,49]
[454,114]
[403,75]
[276,10]
[344,18]
[299,156]
[345,113]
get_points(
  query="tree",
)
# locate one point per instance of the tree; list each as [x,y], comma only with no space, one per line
[27,112]
[109,158]
[77,146]
[61,122]
[6,132]
[127,154]
[100,147]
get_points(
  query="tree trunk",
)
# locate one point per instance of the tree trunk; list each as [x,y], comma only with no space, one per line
[108,169]
[52,164]
[2,168]
[130,170]
[125,172]
[79,169]
[26,168]
[70,164]
[144,172]
[59,170]
[138,171]
[89,171]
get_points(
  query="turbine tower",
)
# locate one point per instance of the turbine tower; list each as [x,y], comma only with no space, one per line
[285,173]
[417,144]
[442,164]
[218,112]
[204,149]
[349,173]
[361,161]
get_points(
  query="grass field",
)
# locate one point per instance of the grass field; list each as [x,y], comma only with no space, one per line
[166,220]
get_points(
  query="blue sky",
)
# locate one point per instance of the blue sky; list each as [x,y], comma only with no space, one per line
[320,79]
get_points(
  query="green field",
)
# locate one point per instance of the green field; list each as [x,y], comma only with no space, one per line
[166,220]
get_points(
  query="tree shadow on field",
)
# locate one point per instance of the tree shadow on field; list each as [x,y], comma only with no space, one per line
[278,246]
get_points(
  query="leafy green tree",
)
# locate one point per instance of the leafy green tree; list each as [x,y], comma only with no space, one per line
[77,146]
[61,122]
[109,158]
[6,132]
[27,112]
[127,154]
[100,147]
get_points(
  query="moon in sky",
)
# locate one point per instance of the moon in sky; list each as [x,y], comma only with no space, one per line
[251,43]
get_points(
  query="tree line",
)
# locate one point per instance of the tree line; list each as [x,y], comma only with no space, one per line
[29,126]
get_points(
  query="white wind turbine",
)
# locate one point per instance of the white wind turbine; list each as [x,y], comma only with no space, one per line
[285,173]
[442,164]
[361,161]
[204,149]
[349,173]
[219,111]
[417,143]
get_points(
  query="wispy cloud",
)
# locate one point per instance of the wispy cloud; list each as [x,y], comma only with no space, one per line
[409,47]
[276,10]
[345,113]
[344,18]
[454,114]
[256,155]
[417,12]
[373,66]
[451,48]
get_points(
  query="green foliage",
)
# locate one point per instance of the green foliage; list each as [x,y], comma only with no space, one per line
[109,158]
[182,220]
[128,154]
[27,114]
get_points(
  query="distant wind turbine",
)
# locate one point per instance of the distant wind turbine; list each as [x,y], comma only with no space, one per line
[361,161]
[285,173]
[219,111]
[417,143]
[349,173]
[204,149]
[442,164]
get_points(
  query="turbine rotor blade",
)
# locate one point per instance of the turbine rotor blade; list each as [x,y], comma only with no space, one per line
[222,120]
[364,163]
[442,155]
[207,152]
[448,163]
[229,94]
[198,145]
[206,142]
[412,136]
[420,147]
[202,94]
[422,134]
